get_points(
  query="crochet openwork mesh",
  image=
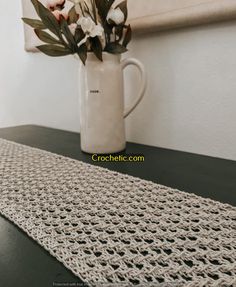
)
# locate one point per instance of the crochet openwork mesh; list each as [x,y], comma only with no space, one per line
[111,228]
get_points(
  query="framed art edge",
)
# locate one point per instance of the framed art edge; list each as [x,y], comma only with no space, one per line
[212,11]
[31,41]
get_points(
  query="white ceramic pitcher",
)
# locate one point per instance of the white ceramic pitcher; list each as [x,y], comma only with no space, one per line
[102,111]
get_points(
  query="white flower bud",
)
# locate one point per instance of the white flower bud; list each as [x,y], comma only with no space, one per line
[86,23]
[116,16]
[97,31]
[89,27]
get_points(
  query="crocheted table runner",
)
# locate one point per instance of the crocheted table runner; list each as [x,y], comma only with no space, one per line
[112,228]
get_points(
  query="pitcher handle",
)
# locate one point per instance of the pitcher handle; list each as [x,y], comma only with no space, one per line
[140,66]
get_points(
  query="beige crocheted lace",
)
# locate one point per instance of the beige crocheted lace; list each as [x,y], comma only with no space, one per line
[112,228]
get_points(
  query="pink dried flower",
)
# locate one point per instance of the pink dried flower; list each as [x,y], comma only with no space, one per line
[55,4]
[58,14]
[73,28]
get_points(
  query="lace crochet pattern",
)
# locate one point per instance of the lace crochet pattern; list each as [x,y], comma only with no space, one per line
[114,229]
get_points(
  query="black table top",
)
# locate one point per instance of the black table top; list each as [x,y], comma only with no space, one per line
[24,263]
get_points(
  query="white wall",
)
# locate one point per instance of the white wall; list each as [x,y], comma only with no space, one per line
[190,104]
[33,88]
[191,101]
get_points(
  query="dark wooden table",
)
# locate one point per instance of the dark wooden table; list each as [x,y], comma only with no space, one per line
[24,263]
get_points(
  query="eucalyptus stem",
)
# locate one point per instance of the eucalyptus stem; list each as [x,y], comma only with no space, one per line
[106,38]
[82,11]
[94,11]
[88,11]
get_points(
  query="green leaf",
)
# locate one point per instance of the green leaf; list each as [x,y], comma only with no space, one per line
[123,7]
[67,33]
[54,50]
[47,17]
[100,4]
[115,48]
[79,35]
[72,16]
[119,32]
[103,7]
[45,37]
[107,28]
[96,47]
[82,52]
[36,24]
[36,6]
[128,36]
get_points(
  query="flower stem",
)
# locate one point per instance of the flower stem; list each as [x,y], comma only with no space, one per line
[82,11]
[94,11]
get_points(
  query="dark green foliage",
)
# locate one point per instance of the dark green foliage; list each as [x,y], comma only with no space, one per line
[128,36]
[45,37]
[36,24]
[96,47]
[115,48]
[61,40]
[54,50]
